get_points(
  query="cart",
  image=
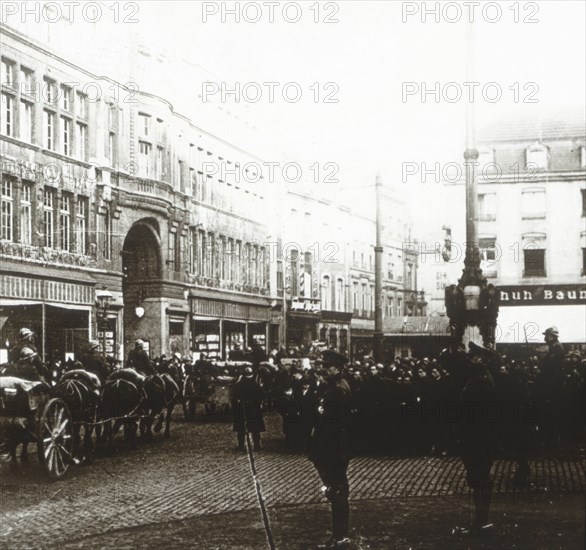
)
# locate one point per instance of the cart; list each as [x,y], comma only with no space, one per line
[28,414]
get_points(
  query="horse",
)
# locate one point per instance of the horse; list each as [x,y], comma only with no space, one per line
[161,395]
[121,403]
[80,390]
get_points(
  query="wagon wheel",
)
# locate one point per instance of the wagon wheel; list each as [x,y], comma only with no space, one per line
[189,403]
[55,438]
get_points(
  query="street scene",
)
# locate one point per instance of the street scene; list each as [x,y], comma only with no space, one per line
[292,275]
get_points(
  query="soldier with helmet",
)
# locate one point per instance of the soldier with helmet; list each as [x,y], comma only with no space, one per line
[27,342]
[139,360]
[93,362]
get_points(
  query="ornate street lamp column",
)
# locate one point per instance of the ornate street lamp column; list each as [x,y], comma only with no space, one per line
[472,302]
[103,300]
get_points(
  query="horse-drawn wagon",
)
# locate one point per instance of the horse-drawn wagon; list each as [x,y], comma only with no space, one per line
[28,414]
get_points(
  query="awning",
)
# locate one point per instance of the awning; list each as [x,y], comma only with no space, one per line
[521,324]
[76,307]
[11,302]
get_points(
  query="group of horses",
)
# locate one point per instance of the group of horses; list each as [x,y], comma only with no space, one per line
[125,399]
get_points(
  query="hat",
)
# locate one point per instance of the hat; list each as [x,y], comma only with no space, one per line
[177,355]
[25,333]
[26,353]
[552,331]
[94,344]
[248,372]
[140,343]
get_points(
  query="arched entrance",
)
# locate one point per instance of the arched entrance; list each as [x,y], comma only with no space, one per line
[142,269]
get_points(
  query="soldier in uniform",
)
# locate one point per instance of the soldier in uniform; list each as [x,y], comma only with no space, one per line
[476,434]
[93,362]
[27,340]
[247,398]
[329,450]
[139,360]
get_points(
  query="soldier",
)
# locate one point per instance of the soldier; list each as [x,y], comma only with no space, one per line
[139,360]
[92,362]
[27,340]
[329,450]
[247,398]
[27,367]
[476,435]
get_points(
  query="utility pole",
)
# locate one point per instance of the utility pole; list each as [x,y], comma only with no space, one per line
[377,347]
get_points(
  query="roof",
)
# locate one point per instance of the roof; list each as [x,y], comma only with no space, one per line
[560,124]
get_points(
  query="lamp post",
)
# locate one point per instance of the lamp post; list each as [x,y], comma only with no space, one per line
[377,348]
[472,302]
[103,301]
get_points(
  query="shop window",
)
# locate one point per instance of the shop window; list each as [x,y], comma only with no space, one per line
[323,334]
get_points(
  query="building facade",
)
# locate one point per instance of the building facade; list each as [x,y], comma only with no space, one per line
[531,226]
[106,187]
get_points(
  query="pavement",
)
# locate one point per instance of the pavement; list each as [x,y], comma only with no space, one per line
[195,491]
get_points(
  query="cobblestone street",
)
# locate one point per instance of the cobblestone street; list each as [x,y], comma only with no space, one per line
[194,490]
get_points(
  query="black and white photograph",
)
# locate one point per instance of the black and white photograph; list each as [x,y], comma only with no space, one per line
[293,275]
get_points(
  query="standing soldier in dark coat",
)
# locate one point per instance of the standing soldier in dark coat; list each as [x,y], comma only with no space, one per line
[477,435]
[247,398]
[139,360]
[329,450]
[92,362]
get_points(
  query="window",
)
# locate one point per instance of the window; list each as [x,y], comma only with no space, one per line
[159,164]
[7,198]
[7,114]
[49,127]
[106,234]
[81,105]
[66,135]
[534,262]
[144,158]
[400,306]
[390,267]
[160,130]
[144,124]
[583,191]
[583,260]
[326,295]
[237,259]
[81,213]
[180,178]
[193,183]
[81,143]
[230,260]
[200,255]
[364,297]
[583,157]
[65,222]
[487,207]
[66,97]
[537,157]
[7,73]
[27,86]
[371,301]
[26,121]
[112,147]
[262,259]
[112,116]
[390,305]
[26,214]
[49,90]
[339,295]
[533,203]
[48,213]
[488,255]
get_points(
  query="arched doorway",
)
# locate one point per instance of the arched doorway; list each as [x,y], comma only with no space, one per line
[142,269]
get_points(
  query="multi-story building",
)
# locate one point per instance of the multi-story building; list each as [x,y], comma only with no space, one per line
[107,186]
[531,225]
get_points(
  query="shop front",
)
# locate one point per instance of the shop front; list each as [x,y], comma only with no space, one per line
[58,312]
[334,330]
[526,311]
[220,327]
[303,317]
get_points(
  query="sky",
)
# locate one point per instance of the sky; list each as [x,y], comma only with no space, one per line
[366,60]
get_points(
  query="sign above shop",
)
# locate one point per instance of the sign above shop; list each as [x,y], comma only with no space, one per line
[543,295]
[305,304]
